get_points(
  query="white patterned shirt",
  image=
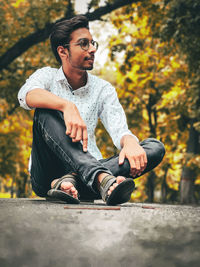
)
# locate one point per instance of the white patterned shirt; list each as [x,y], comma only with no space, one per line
[97,99]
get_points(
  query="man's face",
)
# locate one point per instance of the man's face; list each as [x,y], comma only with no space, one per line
[79,58]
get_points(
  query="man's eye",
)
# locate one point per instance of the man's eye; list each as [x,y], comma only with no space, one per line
[84,43]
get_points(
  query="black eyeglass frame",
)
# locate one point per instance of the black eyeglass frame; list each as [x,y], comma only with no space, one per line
[94,43]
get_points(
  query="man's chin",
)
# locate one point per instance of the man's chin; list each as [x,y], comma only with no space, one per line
[88,67]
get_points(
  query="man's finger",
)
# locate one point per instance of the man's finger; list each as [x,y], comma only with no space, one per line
[121,157]
[133,167]
[85,139]
[69,128]
[145,159]
[137,164]
[145,162]
[78,136]
[73,132]
[142,164]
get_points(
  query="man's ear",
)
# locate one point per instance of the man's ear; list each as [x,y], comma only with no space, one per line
[62,52]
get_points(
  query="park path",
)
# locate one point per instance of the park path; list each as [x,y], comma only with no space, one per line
[34,232]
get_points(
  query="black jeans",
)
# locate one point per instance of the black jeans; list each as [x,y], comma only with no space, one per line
[54,155]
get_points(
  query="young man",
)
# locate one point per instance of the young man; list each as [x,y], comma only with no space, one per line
[65,161]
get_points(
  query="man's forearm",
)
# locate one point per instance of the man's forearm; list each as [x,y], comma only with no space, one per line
[40,98]
[75,126]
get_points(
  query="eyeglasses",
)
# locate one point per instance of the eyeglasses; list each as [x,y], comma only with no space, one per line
[85,44]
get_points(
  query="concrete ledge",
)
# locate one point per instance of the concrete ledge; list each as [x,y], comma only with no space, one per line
[35,232]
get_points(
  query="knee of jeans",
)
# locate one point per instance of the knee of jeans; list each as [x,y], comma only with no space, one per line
[161,148]
[157,145]
[44,114]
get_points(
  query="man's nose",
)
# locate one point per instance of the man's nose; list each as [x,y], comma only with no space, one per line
[92,48]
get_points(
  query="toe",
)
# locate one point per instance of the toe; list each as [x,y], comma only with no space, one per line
[66,186]
[111,188]
[75,196]
[115,185]
[73,189]
[74,192]
[66,191]
[120,179]
[69,188]
[109,192]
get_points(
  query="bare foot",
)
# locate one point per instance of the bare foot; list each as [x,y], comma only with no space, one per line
[119,180]
[112,187]
[67,187]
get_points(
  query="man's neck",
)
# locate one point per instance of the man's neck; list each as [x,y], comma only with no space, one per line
[76,78]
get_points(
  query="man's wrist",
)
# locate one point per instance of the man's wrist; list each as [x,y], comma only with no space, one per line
[64,105]
[126,139]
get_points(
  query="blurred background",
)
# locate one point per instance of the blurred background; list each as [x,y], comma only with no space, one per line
[149,50]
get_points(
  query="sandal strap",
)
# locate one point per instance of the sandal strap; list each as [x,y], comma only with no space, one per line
[105,185]
[65,178]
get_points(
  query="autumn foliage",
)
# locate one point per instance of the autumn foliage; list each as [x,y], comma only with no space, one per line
[151,65]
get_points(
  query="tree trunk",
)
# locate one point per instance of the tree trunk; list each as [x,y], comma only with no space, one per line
[188,175]
[21,185]
[187,186]
[12,188]
[164,186]
[152,115]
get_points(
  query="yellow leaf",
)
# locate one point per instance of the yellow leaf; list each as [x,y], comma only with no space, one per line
[17,3]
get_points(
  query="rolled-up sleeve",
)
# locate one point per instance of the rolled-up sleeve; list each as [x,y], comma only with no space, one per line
[113,116]
[39,79]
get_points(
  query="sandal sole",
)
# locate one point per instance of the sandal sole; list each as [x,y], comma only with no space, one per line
[122,193]
[58,195]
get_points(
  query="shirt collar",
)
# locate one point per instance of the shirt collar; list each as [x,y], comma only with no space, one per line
[60,76]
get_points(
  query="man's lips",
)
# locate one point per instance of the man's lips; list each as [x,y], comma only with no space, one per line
[91,59]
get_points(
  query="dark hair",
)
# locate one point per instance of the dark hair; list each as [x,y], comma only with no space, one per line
[61,32]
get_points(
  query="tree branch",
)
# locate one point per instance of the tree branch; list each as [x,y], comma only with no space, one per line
[42,34]
[101,11]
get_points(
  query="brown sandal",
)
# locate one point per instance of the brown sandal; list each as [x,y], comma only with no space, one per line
[55,194]
[120,194]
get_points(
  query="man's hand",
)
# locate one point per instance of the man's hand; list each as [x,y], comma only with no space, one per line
[135,155]
[75,126]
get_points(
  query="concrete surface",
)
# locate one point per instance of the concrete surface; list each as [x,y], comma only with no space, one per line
[39,233]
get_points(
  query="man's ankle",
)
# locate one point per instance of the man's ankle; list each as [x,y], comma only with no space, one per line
[100,177]
[53,182]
